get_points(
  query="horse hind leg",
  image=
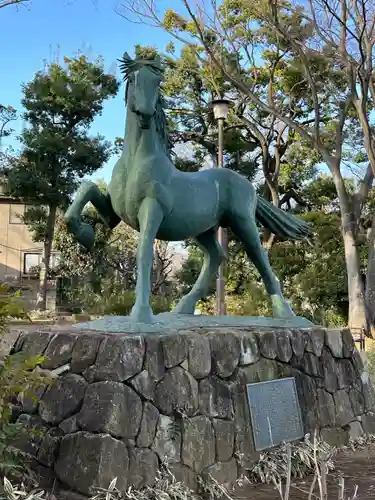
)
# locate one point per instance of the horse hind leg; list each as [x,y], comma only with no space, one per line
[213,256]
[83,232]
[246,230]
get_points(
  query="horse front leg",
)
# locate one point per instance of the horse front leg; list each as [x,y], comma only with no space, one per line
[150,217]
[83,232]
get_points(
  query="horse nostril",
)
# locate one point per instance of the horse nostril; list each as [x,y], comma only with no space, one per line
[137,112]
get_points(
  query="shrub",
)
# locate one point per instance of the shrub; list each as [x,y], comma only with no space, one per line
[237,305]
[16,376]
[161,303]
[370,354]
[120,303]
[117,304]
[207,306]
[11,306]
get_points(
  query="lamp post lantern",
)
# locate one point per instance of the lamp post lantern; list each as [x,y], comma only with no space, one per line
[220,108]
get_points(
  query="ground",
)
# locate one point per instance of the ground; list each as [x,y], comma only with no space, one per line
[357,468]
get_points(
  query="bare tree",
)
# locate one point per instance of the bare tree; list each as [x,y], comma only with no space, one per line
[346,29]
[326,80]
[344,33]
[163,259]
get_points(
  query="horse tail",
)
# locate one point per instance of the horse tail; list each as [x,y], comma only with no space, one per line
[281,223]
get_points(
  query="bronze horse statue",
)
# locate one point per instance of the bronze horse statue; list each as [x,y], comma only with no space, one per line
[149,194]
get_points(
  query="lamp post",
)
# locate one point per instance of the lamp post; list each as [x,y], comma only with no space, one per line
[220,108]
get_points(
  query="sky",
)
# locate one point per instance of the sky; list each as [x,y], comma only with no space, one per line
[48,30]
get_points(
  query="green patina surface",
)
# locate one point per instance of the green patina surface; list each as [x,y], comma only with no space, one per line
[166,322]
[148,193]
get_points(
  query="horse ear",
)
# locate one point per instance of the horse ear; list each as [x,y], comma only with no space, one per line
[126,57]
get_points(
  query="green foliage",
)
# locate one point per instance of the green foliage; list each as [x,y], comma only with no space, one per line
[35,218]
[243,38]
[119,302]
[16,377]
[190,269]
[188,87]
[57,151]
[11,306]
[253,302]
[370,354]
[298,166]
[7,115]
[113,255]
[107,270]
[304,269]
[61,103]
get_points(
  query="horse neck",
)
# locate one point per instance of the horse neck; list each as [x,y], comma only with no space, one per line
[138,140]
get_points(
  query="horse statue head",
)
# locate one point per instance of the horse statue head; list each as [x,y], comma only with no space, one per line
[142,94]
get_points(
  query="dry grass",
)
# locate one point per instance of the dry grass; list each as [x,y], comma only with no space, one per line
[294,460]
[278,467]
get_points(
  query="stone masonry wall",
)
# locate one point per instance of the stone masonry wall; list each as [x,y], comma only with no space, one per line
[122,403]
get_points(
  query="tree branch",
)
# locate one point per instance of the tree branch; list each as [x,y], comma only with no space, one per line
[6,3]
[360,196]
[297,47]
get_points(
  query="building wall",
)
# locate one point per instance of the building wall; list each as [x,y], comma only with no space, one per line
[16,243]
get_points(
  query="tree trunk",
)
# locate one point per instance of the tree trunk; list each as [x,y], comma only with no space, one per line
[214,159]
[41,303]
[370,282]
[370,275]
[357,310]
[349,230]
[271,192]
[159,285]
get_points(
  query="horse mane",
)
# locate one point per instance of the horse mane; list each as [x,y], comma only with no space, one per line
[129,66]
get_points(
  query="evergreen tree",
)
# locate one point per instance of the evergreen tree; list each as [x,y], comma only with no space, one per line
[57,152]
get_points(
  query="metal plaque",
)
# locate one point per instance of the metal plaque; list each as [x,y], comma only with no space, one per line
[275,412]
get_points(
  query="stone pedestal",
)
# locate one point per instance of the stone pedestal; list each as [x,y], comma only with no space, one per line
[124,402]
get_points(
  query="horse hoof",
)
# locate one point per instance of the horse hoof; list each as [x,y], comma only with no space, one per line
[142,314]
[281,308]
[86,236]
